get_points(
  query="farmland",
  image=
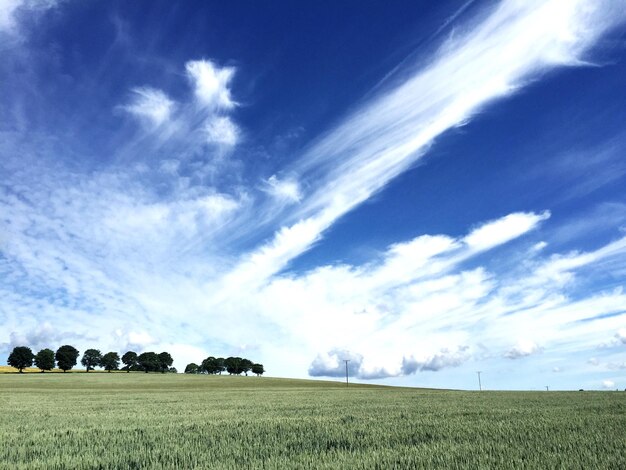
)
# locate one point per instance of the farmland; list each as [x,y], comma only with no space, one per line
[120,420]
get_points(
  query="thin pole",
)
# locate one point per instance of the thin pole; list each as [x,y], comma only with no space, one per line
[480,387]
[547,388]
[346,361]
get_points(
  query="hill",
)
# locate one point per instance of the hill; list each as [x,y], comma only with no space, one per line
[190,421]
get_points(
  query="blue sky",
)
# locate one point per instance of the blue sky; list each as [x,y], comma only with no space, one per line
[425,188]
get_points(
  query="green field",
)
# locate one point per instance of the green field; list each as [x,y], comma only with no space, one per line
[101,420]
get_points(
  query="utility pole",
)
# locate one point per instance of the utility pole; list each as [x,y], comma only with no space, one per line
[547,388]
[346,361]
[480,387]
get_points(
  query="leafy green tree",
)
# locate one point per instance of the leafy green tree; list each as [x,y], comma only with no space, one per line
[91,358]
[21,357]
[245,366]
[233,365]
[173,370]
[44,359]
[220,365]
[66,357]
[165,362]
[258,369]
[192,368]
[130,360]
[210,366]
[110,361]
[149,362]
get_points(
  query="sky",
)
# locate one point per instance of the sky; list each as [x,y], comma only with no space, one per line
[426,189]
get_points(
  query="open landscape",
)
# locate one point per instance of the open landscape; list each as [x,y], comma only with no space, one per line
[137,420]
[410,214]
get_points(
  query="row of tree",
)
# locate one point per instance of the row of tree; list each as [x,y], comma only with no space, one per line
[232,365]
[66,357]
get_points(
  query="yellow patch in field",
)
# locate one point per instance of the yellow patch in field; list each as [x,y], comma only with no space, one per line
[28,370]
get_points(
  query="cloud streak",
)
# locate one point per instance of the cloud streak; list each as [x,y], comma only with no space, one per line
[151,105]
[172,247]
[515,44]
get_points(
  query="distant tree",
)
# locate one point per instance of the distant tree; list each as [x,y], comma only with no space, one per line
[110,361]
[233,365]
[44,359]
[245,366]
[91,358]
[211,365]
[165,362]
[21,357]
[173,370]
[130,359]
[66,357]
[149,362]
[192,368]
[220,365]
[258,369]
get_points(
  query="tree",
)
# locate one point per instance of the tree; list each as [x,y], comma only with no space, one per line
[233,365]
[245,366]
[165,362]
[91,359]
[21,357]
[110,361]
[44,359]
[130,359]
[191,368]
[149,362]
[220,365]
[66,357]
[211,365]
[258,369]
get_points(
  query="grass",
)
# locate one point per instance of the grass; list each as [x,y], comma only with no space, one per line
[181,421]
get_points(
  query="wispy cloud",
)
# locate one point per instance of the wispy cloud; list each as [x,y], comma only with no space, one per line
[221,131]
[286,189]
[523,348]
[166,249]
[515,44]
[151,105]
[11,9]
[211,84]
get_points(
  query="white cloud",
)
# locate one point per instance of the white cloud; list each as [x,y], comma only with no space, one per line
[222,131]
[494,59]
[523,348]
[137,341]
[503,230]
[608,384]
[593,361]
[211,84]
[332,364]
[9,10]
[163,267]
[150,105]
[621,335]
[284,190]
[41,336]
[7,14]
[435,362]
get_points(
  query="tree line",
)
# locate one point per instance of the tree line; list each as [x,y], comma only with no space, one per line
[232,365]
[66,358]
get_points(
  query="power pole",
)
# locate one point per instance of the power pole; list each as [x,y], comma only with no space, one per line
[480,387]
[346,361]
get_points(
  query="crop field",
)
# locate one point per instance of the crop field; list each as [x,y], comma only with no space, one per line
[101,420]
[32,370]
